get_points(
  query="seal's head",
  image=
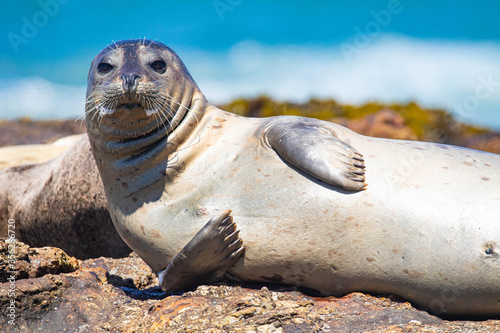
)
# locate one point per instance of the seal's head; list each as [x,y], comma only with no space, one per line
[139,81]
[141,105]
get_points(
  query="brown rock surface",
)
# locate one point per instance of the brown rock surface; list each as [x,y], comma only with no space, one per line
[382,124]
[25,131]
[33,262]
[121,295]
[488,142]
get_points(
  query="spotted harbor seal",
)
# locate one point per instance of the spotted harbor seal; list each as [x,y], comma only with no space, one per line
[287,199]
[60,203]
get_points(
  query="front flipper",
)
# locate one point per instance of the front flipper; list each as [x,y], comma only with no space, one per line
[316,151]
[211,252]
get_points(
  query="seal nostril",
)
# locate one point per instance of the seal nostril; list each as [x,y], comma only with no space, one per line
[130,81]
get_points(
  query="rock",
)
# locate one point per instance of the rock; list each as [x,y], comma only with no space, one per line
[121,295]
[27,132]
[60,203]
[488,142]
[33,262]
[383,124]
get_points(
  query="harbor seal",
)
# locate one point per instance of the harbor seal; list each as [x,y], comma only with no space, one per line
[287,199]
[60,203]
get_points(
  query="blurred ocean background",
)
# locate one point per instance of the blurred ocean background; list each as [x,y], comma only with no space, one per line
[442,54]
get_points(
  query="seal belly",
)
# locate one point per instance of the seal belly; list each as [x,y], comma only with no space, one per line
[417,235]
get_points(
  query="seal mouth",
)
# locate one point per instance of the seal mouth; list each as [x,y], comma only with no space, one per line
[129,106]
[133,106]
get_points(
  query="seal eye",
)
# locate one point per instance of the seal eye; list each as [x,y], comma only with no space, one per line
[104,68]
[159,66]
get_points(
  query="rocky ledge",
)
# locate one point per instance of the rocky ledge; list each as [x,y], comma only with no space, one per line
[45,290]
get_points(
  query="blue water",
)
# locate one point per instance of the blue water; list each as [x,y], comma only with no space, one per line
[55,40]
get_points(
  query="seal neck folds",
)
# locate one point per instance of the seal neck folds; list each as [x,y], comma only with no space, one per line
[136,140]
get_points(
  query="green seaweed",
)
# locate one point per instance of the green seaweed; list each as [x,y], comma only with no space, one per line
[428,124]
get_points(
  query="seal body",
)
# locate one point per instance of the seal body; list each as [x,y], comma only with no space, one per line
[415,219]
[60,203]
